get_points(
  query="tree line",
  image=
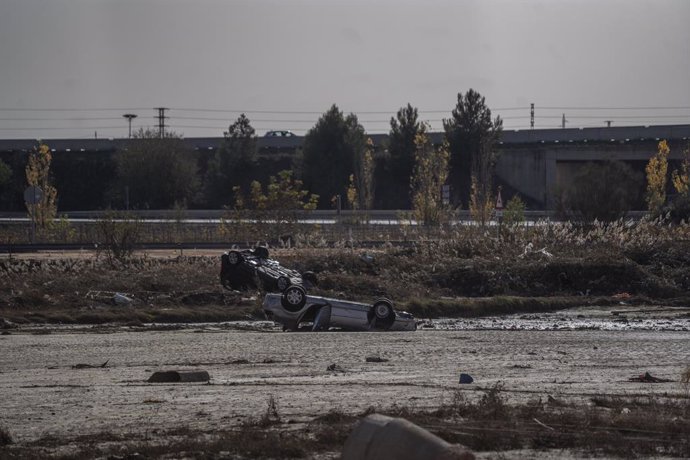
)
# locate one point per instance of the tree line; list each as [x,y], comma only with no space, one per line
[337,166]
[338,162]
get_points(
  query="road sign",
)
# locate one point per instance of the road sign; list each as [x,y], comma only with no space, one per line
[33,194]
[499,204]
[499,200]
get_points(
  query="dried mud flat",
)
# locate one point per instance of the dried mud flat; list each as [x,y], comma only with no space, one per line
[46,395]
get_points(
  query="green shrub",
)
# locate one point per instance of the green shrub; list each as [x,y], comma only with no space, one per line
[119,233]
[514,213]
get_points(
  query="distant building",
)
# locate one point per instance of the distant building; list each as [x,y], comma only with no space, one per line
[531,162]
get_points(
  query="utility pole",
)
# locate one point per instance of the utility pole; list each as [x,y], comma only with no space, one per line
[161,120]
[129,117]
[531,116]
[563,121]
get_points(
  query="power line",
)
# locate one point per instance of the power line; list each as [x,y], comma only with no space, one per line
[305,112]
[53,109]
[613,108]
[438,120]
[73,128]
[60,119]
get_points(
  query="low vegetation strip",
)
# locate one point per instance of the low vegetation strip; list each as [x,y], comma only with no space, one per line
[429,281]
[620,427]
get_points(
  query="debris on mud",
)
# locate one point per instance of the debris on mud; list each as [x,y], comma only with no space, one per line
[648,378]
[179,376]
[122,299]
[90,366]
[466,378]
[334,368]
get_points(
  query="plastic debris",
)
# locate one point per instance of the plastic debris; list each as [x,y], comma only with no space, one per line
[529,249]
[466,378]
[121,299]
[367,258]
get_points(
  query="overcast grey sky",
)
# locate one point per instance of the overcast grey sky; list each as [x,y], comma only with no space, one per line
[268,57]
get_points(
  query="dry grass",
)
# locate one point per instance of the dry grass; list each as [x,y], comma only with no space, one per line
[430,279]
[613,427]
[5,437]
[456,271]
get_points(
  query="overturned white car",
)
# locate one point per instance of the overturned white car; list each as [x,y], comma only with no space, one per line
[294,309]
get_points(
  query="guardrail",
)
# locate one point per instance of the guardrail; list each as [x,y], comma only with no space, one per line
[393,216]
[209,229]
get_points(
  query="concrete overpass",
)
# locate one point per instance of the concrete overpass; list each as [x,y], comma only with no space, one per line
[532,162]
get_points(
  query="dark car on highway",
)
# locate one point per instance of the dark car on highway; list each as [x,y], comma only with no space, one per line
[252,268]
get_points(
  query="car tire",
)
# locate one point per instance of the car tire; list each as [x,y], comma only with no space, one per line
[294,298]
[383,309]
[234,258]
[225,282]
[310,277]
[283,283]
[261,252]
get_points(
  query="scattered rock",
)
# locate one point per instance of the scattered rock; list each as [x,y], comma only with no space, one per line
[179,376]
[376,359]
[334,368]
[385,438]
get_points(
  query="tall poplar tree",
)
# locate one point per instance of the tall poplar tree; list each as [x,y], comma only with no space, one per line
[472,135]
[405,127]
[330,151]
[233,163]
[155,172]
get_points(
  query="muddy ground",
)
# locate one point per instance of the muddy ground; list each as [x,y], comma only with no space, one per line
[47,396]
[570,350]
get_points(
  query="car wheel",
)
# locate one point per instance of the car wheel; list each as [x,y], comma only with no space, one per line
[234,257]
[225,282]
[261,252]
[383,309]
[310,277]
[283,283]
[294,298]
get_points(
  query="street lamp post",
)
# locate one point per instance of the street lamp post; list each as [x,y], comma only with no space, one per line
[129,117]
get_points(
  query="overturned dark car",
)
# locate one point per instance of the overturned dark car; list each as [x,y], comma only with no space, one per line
[252,268]
[295,310]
